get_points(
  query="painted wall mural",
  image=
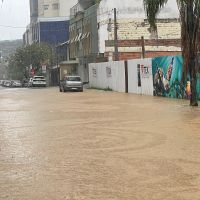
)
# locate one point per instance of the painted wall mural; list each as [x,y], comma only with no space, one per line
[167,76]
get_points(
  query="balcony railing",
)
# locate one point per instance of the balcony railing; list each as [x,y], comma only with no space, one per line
[75,9]
[80,7]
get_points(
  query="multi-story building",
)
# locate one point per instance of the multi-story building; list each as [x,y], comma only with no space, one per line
[54,8]
[83,35]
[45,9]
[50,24]
[65,5]
[132,25]
[33,10]
[48,8]
[92,27]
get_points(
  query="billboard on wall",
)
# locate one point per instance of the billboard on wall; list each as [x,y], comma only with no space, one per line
[167,76]
[140,76]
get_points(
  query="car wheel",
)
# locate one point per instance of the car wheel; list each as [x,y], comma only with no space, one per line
[62,88]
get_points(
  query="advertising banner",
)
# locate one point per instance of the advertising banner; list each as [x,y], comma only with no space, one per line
[140,80]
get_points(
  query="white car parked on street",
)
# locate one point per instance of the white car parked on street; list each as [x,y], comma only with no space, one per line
[37,81]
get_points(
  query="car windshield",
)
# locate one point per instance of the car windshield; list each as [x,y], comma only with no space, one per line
[73,78]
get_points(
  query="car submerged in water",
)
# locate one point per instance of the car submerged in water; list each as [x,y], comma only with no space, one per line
[71,83]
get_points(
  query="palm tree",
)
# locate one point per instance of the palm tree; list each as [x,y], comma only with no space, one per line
[190,33]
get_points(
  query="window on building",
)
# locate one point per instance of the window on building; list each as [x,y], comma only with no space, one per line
[55,6]
[46,7]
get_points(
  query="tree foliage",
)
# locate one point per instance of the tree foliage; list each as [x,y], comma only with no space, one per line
[34,55]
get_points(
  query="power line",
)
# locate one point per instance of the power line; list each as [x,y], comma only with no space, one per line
[6,26]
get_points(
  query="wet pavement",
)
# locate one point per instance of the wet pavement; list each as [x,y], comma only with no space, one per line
[97,145]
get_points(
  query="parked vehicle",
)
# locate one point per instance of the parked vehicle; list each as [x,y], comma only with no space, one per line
[71,83]
[37,81]
[16,83]
[1,82]
[7,83]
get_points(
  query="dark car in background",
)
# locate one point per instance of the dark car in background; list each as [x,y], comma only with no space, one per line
[71,83]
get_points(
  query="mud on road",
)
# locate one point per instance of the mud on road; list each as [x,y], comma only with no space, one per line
[97,146]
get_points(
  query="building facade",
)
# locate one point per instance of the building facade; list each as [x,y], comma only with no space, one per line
[49,24]
[92,31]
[45,9]
[48,8]
[132,25]
[91,37]
[54,8]
[65,5]
[33,10]
[83,43]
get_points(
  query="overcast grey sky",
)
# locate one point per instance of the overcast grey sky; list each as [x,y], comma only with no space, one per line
[14,13]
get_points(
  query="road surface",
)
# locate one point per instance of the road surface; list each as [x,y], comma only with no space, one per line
[97,145]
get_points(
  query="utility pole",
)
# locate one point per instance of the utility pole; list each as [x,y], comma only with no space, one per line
[143,47]
[116,57]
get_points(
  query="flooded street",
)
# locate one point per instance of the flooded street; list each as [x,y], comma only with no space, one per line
[97,145]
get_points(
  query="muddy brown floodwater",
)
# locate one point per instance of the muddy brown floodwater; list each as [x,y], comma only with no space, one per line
[97,146]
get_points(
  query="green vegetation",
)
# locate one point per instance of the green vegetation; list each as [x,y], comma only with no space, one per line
[97,1]
[32,56]
[104,89]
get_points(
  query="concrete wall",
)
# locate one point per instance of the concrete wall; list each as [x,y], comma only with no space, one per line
[138,55]
[112,75]
[132,49]
[131,19]
[107,75]
[159,76]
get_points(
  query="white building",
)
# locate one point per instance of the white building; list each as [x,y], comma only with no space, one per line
[55,8]
[132,23]
[65,6]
